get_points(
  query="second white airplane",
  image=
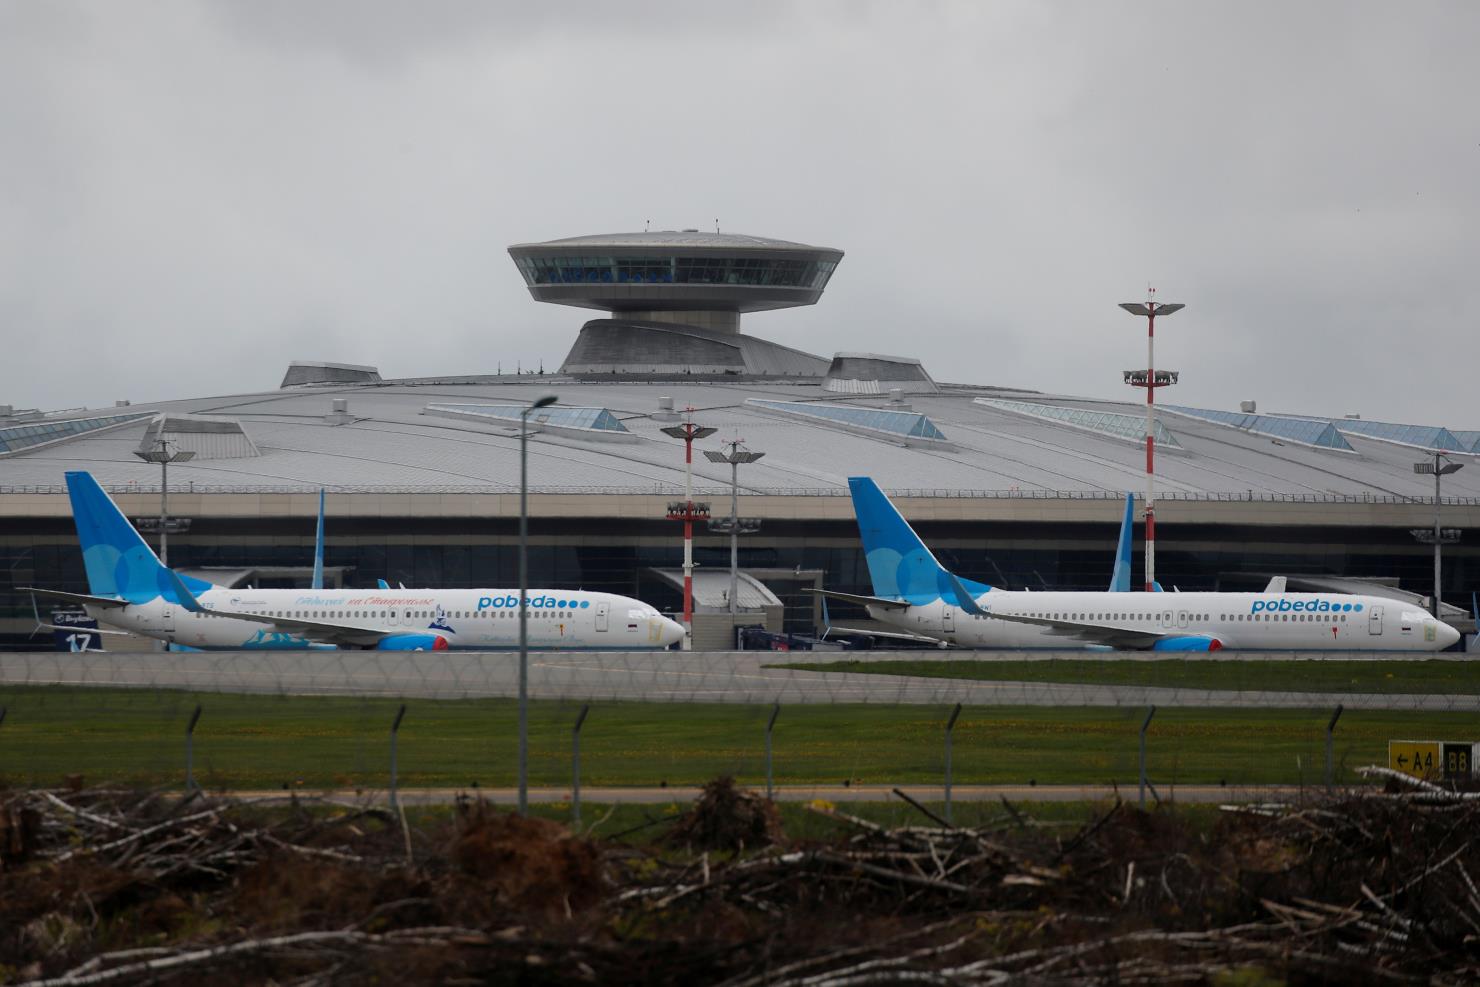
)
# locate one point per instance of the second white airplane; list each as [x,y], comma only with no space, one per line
[914,593]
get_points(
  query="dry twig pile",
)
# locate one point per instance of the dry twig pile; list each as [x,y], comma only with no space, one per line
[108,887]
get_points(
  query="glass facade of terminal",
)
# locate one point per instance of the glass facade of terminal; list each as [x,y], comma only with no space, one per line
[776,272]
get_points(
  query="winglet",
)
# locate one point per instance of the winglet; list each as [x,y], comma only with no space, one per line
[318,546]
[963,598]
[183,596]
[382,584]
[1120,576]
[1156,587]
[1276,584]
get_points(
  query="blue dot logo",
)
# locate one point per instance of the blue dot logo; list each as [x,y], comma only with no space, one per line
[1346,606]
[560,604]
[585,604]
[1358,607]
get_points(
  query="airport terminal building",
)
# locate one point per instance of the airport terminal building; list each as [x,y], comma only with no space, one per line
[1009,487]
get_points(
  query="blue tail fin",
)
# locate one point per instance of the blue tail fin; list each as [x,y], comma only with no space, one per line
[1120,576]
[118,562]
[318,547]
[899,565]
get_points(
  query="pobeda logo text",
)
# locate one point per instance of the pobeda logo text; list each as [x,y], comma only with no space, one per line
[532,602]
[1303,606]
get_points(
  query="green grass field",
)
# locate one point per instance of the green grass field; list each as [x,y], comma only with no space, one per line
[1443,677]
[254,742]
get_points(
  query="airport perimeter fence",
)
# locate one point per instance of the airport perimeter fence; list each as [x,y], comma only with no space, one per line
[672,720]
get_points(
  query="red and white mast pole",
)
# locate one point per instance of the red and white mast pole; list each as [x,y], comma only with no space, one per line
[687,512]
[1150,380]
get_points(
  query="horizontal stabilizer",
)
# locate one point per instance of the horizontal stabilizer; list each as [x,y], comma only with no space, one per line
[863,601]
[83,598]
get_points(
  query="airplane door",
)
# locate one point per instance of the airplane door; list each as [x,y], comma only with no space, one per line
[1374,621]
[1182,619]
[948,620]
[601,611]
[1166,619]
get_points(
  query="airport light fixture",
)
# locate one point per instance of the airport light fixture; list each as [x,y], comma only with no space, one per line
[738,454]
[688,512]
[1151,379]
[543,402]
[1440,467]
[164,452]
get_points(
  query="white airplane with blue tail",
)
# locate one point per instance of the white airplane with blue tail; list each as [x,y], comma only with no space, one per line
[130,590]
[916,595]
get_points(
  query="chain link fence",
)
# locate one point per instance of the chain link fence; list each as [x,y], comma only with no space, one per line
[667,721]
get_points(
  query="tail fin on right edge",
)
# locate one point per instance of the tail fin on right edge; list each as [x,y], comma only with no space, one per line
[899,564]
[318,547]
[118,562]
[1120,576]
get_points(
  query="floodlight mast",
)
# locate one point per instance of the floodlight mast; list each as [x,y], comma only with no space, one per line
[687,512]
[738,454]
[1440,468]
[163,451]
[1151,308]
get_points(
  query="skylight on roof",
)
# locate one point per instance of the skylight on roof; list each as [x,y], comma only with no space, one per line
[1130,428]
[556,417]
[18,438]
[1310,432]
[1469,438]
[1417,436]
[909,425]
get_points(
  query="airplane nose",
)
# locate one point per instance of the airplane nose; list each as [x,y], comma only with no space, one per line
[1447,636]
[672,632]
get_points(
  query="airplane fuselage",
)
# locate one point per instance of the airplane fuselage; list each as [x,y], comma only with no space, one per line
[481,619]
[1288,621]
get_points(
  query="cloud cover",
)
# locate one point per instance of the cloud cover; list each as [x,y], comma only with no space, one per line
[198,193]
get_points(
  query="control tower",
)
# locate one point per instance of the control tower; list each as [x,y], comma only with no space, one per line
[675,299]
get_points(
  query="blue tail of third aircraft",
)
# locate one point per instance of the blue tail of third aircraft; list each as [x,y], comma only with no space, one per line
[899,565]
[119,564]
[1120,576]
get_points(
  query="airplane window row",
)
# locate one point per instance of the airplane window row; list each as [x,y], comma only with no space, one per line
[384,614]
[1324,618]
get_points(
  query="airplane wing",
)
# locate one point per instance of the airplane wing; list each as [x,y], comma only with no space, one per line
[863,601]
[107,602]
[80,630]
[1126,638]
[1130,638]
[318,631]
[890,635]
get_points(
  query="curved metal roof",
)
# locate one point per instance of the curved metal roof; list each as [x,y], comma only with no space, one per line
[387,442]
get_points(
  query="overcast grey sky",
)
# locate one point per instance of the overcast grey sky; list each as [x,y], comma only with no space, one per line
[195,193]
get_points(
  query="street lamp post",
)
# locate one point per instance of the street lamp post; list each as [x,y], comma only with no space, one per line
[163,452]
[1439,467]
[738,454]
[1151,380]
[543,402]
